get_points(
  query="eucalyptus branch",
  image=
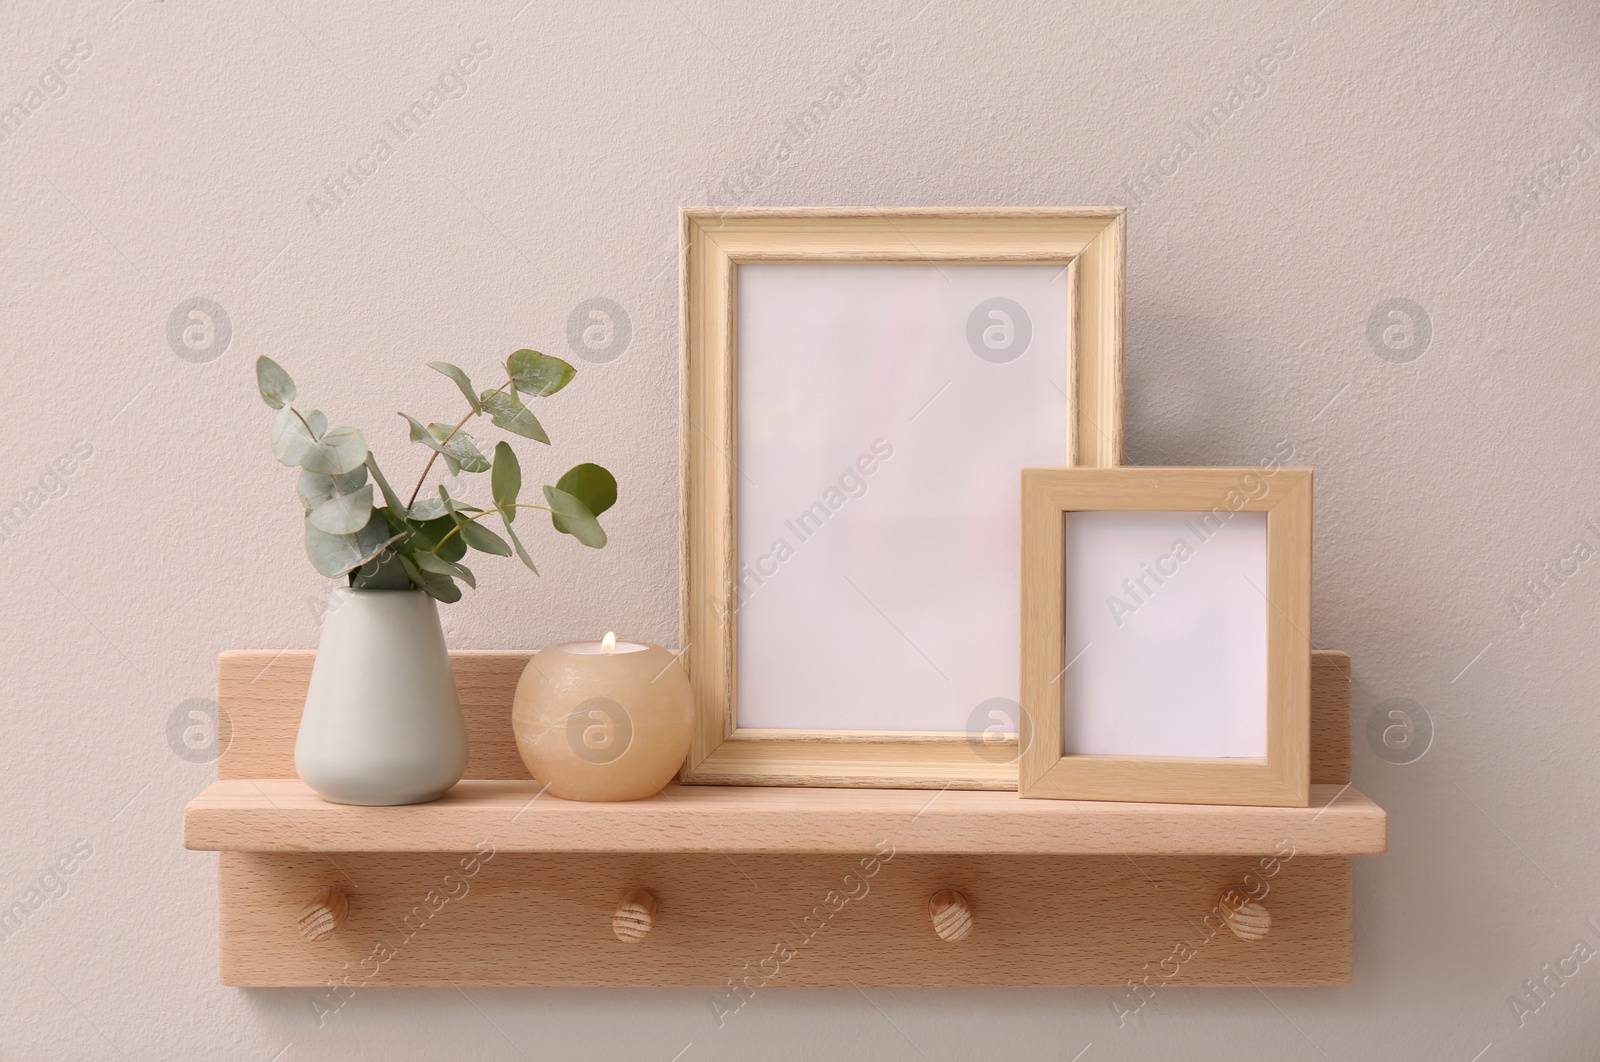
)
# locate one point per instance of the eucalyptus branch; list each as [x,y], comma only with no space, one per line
[345,522]
[445,441]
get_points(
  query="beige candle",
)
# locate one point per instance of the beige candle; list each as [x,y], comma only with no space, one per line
[604,720]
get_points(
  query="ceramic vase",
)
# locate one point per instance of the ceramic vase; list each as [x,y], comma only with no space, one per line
[382,724]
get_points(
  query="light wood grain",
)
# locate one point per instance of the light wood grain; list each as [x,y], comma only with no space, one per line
[635,917]
[323,914]
[1101,895]
[1330,718]
[1248,920]
[1283,777]
[530,920]
[262,693]
[708,453]
[281,814]
[951,915]
[1089,242]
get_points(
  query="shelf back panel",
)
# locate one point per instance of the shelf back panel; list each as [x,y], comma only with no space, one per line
[261,694]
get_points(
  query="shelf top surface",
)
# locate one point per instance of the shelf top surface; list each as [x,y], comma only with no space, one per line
[284,815]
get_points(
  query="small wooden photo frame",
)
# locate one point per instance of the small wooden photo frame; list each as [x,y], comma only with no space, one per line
[1166,652]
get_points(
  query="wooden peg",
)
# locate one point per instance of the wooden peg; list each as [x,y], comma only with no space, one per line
[635,916]
[324,913]
[952,916]
[1248,919]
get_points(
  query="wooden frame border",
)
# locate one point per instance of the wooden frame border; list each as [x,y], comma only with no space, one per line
[1283,778]
[1090,242]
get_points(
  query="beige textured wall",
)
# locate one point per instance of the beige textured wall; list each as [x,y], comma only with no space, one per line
[1441,153]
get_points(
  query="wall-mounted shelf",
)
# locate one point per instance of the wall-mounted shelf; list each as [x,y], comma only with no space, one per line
[283,815]
[499,885]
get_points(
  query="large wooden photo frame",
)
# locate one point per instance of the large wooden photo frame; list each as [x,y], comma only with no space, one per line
[1079,253]
[1182,512]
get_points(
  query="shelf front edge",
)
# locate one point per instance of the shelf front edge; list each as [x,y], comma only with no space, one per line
[283,815]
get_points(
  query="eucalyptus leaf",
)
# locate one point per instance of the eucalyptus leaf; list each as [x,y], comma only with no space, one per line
[455,505]
[335,453]
[571,516]
[384,572]
[314,488]
[275,385]
[505,480]
[376,537]
[449,503]
[419,431]
[459,453]
[461,381]
[429,534]
[538,374]
[396,520]
[441,588]
[483,540]
[390,498]
[430,562]
[461,447]
[413,572]
[522,552]
[475,535]
[335,555]
[331,555]
[421,434]
[428,509]
[594,487]
[290,438]
[343,514]
[508,412]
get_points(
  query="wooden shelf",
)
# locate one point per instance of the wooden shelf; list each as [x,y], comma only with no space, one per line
[517,888]
[283,815]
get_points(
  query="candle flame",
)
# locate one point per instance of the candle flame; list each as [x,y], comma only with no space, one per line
[608,644]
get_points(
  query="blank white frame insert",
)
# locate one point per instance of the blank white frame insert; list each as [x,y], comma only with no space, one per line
[1165,629]
[884,409]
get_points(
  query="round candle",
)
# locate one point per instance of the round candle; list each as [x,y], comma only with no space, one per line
[603,720]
